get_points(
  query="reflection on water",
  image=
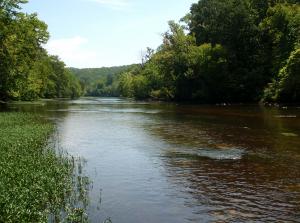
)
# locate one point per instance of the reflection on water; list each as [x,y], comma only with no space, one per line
[159,162]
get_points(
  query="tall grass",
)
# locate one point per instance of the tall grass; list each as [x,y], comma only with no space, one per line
[36,183]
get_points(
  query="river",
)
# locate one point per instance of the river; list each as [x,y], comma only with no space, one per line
[166,162]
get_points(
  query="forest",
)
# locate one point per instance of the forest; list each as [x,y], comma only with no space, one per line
[27,71]
[100,82]
[227,51]
[222,51]
[130,160]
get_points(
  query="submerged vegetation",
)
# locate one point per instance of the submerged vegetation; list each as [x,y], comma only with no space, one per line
[221,51]
[37,182]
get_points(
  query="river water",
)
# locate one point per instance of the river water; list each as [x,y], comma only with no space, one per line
[163,162]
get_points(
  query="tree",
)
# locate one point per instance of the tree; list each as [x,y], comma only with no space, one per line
[20,44]
[27,71]
[281,32]
[146,55]
[234,25]
[234,48]
[11,6]
[180,70]
[286,86]
[126,85]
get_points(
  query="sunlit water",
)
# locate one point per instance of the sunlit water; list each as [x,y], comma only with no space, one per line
[159,162]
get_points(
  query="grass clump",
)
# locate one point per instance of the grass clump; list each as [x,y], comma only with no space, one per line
[36,183]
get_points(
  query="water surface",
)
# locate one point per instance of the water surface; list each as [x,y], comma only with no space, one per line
[160,162]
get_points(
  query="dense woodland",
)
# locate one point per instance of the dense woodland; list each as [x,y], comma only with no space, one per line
[221,51]
[100,82]
[224,51]
[27,71]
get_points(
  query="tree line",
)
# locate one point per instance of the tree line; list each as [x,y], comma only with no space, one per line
[221,51]
[100,82]
[224,51]
[27,71]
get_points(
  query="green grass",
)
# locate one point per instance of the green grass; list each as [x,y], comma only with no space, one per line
[36,182]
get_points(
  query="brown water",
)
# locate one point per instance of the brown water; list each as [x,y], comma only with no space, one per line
[158,162]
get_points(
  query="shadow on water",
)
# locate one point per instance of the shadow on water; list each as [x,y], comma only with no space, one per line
[241,163]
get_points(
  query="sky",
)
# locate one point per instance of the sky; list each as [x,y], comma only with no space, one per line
[97,33]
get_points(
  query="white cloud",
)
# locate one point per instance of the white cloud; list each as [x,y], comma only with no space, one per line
[72,51]
[77,52]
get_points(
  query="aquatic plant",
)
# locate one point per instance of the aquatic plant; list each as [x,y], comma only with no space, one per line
[37,183]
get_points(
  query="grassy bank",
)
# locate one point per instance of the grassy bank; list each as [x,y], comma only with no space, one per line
[36,184]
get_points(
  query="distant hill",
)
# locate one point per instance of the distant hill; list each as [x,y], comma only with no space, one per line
[100,81]
[90,75]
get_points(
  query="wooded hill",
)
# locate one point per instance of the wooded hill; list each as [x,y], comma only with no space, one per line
[221,51]
[100,81]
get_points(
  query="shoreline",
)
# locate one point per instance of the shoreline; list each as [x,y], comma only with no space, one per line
[37,183]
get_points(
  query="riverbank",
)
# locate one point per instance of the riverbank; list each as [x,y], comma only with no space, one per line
[37,183]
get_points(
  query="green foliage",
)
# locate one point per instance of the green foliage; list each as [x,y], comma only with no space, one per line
[234,25]
[227,51]
[11,6]
[286,86]
[233,49]
[180,70]
[209,73]
[126,84]
[36,182]
[26,69]
[22,36]
[141,87]
[100,81]
[62,83]
[281,30]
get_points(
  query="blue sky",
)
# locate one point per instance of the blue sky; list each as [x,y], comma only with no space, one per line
[96,33]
